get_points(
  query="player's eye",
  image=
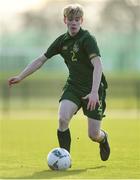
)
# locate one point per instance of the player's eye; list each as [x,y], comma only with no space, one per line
[77,19]
[70,19]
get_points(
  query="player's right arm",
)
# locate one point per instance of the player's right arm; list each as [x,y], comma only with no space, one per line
[53,50]
[31,68]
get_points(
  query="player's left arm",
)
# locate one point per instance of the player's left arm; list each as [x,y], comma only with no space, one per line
[97,74]
[93,97]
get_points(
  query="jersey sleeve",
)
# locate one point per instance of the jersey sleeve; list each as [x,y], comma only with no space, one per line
[54,48]
[91,47]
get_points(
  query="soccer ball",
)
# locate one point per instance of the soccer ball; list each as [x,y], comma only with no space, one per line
[59,159]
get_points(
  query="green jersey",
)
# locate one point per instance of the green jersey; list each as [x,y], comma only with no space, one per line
[77,52]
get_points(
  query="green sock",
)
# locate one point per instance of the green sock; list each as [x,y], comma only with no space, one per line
[64,139]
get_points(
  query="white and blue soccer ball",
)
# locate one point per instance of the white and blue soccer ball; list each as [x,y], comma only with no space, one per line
[59,159]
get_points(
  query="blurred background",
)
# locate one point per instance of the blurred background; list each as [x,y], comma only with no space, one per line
[27,28]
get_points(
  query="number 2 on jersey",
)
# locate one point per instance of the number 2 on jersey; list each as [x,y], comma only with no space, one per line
[73,58]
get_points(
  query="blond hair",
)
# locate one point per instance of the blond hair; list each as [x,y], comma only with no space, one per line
[73,10]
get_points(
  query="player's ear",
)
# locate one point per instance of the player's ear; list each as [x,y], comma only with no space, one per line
[81,20]
[65,19]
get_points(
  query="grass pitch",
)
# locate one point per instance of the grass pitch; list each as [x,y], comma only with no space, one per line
[26,143]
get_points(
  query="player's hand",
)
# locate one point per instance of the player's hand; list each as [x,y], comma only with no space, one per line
[93,99]
[13,80]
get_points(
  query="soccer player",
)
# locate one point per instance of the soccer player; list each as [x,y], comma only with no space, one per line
[86,85]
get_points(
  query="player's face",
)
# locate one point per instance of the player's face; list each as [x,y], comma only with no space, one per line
[73,24]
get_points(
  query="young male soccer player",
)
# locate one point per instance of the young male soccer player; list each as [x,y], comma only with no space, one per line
[86,85]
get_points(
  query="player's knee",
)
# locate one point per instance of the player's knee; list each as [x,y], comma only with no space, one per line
[64,116]
[63,121]
[63,124]
[94,136]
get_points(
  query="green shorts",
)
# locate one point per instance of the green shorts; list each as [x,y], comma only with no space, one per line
[74,95]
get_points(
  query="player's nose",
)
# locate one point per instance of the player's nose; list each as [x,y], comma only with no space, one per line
[73,22]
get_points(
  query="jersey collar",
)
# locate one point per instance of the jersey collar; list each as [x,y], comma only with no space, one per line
[76,36]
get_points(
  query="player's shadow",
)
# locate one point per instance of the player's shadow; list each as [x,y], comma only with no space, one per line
[49,174]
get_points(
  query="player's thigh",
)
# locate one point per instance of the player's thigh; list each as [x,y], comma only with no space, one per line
[67,109]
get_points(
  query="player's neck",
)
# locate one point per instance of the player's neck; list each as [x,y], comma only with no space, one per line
[73,34]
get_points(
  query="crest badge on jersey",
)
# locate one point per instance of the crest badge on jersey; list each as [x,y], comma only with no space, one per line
[75,48]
